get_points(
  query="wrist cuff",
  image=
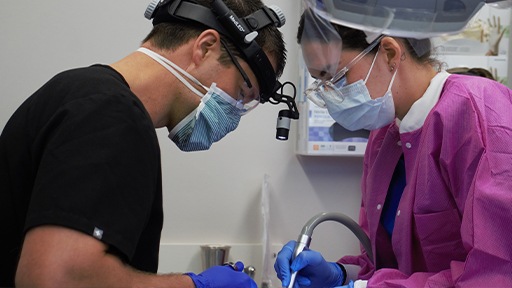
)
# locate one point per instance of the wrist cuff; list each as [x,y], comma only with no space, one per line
[344,272]
[195,278]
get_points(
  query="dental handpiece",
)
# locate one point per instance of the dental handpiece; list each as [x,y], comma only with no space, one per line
[307,231]
[302,243]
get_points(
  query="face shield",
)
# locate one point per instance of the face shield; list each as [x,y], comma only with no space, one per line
[331,87]
[320,45]
[400,18]
[321,50]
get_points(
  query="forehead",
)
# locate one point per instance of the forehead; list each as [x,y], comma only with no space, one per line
[321,58]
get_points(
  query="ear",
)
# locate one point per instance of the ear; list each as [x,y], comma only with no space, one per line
[392,49]
[207,44]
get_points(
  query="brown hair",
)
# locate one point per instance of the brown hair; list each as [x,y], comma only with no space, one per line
[471,71]
[173,35]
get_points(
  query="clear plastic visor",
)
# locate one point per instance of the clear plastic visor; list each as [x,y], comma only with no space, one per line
[320,87]
[320,44]
[401,18]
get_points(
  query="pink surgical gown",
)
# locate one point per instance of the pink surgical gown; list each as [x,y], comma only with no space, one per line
[453,226]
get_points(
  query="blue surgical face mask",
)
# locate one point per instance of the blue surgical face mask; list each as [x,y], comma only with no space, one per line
[354,109]
[216,116]
[213,119]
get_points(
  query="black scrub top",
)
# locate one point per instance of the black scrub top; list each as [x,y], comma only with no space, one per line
[82,153]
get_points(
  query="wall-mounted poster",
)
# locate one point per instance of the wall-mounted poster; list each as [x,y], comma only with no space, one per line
[483,44]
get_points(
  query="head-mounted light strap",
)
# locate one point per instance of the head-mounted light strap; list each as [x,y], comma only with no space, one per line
[170,11]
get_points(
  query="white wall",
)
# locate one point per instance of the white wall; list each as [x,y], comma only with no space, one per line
[210,197]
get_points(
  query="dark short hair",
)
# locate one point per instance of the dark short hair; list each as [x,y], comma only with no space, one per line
[170,36]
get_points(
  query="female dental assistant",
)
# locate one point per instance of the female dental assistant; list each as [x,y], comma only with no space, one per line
[437,175]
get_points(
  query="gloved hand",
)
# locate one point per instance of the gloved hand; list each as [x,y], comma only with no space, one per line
[223,277]
[313,270]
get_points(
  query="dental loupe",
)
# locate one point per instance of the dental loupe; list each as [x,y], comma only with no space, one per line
[304,239]
[242,31]
[284,117]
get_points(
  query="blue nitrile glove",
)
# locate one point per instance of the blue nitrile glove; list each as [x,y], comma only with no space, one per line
[223,277]
[282,264]
[313,270]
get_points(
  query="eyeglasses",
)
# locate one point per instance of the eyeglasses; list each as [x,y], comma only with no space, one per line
[319,88]
[249,96]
